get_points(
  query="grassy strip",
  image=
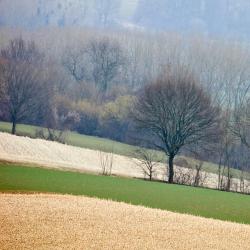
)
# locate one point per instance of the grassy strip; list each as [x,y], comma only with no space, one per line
[106,145]
[182,199]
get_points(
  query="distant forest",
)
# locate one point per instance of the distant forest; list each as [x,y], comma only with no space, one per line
[93,67]
[228,18]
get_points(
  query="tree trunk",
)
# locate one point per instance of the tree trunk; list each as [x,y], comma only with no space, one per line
[171,169]
[219,174]
[13,131]
[150,177]
[228,179]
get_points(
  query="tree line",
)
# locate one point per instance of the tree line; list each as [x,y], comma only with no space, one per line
[188,97]
[41,13]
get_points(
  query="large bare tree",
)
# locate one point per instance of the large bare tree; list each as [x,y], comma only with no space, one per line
[176,112]
[20,69]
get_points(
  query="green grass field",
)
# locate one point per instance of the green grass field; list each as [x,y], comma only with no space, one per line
[182,199]
[106,145]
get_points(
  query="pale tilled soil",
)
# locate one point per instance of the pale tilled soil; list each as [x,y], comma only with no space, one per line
[68,222]
[56,155]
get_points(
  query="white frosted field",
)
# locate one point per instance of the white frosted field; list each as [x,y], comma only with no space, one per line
[55,155]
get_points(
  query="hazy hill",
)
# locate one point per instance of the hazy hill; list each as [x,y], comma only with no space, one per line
[227,18]
[221,17]
[35,13]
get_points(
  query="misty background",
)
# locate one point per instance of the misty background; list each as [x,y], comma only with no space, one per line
[227,18]
[79,65]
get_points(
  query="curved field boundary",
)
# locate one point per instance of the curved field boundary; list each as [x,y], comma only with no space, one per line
[68,222]
[56,155]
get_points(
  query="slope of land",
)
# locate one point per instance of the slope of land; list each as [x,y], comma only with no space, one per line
[106,145]
[57,155]
[67,222]
[52,154]
[176,198]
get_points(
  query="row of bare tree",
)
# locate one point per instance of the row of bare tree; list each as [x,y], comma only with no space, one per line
[183,98]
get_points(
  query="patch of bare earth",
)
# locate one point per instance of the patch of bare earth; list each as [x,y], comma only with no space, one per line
[68,222]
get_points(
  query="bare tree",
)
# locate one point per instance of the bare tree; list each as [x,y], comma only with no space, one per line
[198,169]
[242,181]
[184,176]
[73,61]
[147,161]
[240,125]
[2,82]
[106,161]
[23,88]
[59,117]
[177,112]
[106,57]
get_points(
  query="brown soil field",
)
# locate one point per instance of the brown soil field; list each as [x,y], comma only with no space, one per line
[56,155]
[42,221]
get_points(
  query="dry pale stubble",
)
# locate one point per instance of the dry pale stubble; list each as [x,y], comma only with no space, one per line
[55,155]
[68,222]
